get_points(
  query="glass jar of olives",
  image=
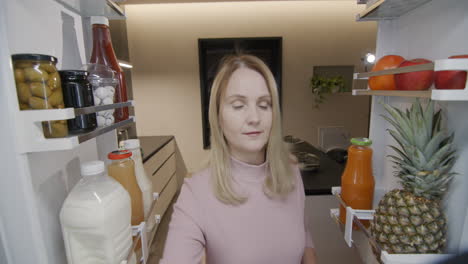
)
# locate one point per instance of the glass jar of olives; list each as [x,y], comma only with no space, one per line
[38,86]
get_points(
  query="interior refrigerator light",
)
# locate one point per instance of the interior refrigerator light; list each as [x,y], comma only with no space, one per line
[370,58]
[125,64]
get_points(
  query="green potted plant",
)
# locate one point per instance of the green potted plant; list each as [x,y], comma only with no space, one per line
[326,85]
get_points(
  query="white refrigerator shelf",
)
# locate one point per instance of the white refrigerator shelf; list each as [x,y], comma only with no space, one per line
[67,113]
[364,242]
[33,140]
[388,9]
[31,137]
[434,94]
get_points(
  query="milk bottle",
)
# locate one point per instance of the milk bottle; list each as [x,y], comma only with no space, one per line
[95,219]
[144,182]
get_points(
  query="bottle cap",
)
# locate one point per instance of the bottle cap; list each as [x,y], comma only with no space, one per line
[131,143]
[99,20]
[361,141]
[119,154]
[92,168]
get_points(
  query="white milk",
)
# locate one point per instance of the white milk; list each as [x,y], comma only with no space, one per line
[95,219]
[143,181]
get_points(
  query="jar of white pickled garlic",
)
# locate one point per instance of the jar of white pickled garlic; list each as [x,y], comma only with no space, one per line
[104,83]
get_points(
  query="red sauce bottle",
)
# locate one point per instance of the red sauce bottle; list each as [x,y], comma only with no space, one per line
[103,53]
[357,181]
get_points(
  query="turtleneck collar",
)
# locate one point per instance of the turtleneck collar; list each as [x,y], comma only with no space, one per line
[248,172]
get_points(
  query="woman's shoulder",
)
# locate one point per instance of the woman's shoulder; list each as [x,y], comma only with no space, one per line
[198,181]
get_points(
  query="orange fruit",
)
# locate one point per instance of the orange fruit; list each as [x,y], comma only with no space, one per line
[385,82]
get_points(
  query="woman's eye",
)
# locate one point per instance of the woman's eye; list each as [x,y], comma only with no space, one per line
[264,106]
[237,107]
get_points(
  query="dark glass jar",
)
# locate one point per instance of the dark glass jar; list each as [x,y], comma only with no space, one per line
[78,93]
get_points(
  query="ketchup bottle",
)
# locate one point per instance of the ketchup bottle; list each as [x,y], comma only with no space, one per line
[103,53]
[357,181]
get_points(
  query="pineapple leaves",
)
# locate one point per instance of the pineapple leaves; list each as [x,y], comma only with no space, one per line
[419,160]
[438,157]
[436,122]
[433,144]
[400,122]
[420,130]
[429,116]
[402,154]
[410,169]
[424,155]
[398,138]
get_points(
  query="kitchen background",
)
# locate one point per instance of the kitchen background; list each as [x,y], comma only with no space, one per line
[163,45]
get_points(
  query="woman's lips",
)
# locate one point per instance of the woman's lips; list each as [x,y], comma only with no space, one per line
[255,133]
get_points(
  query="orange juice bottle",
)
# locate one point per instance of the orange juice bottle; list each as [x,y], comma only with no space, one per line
[357,181]
[122,169]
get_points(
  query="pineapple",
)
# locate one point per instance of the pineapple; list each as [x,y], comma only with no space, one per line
[411,220]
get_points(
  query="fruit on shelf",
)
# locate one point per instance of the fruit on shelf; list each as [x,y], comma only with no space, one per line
[451,79]
[385,82]
[412,220]
[420,80]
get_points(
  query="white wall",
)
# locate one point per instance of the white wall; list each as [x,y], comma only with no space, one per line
[433,31]
[163,43]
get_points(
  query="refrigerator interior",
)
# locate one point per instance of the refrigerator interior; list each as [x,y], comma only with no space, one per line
[435,30]
[36,184]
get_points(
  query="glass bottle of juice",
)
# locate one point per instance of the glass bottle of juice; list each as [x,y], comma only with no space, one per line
[144,182]
[122,169]
[357,181]
[103,53]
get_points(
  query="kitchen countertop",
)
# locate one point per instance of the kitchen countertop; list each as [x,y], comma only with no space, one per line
[319,182]
[152,144]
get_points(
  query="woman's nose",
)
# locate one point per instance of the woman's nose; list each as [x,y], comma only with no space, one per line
[253,115]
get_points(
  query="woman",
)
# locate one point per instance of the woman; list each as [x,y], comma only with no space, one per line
[247,207]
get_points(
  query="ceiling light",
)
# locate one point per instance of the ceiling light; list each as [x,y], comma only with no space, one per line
[125,64]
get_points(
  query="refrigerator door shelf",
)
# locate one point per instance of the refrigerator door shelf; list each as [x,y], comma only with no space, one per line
[31,138]
[29,116]
[438,95]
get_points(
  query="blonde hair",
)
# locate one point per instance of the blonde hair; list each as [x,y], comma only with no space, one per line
[280,181]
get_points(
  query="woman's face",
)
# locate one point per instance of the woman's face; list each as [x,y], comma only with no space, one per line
[246,114]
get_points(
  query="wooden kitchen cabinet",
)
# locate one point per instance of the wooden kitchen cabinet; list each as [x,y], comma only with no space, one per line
[161,169]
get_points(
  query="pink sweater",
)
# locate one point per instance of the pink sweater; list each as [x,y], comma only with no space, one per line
[260,231]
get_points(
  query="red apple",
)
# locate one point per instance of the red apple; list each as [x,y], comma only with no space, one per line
[451,79]
[420,80]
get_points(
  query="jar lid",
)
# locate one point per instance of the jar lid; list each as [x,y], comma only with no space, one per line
[39,57]
[92,167]
[131,143]
[73,74]
[361,141]
[119,154]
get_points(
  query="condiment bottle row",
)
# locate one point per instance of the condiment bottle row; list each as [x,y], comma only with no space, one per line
[40,85]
